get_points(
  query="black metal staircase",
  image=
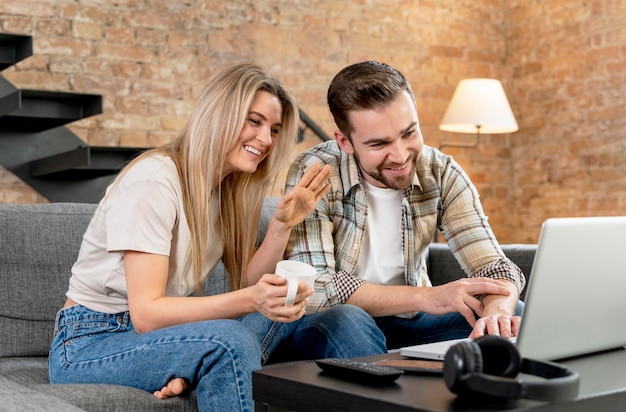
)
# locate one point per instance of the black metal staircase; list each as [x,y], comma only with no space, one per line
[14,48]
[37,148]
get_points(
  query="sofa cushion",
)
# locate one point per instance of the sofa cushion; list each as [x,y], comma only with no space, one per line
[16,397]
[107,398]
[31,375]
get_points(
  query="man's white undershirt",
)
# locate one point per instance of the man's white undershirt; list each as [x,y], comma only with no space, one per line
[381,260]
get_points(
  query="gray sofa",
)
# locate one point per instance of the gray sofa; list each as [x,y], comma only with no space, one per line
[38,245]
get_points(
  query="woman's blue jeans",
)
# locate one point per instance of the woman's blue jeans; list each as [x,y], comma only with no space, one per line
[217,356]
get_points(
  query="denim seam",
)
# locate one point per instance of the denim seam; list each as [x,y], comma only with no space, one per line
[236,367]
[266,341]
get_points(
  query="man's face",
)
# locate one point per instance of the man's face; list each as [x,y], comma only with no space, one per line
[386,143]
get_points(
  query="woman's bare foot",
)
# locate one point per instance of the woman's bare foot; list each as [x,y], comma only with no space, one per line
[174,387]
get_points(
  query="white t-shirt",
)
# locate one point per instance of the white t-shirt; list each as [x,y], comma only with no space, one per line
[142,212]
[381,259]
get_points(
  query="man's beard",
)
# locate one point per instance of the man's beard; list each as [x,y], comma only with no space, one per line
[398,183]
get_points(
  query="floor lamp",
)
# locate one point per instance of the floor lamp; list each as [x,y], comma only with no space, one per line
[478,106]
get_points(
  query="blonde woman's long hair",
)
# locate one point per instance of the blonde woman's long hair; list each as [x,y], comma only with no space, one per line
[199,151]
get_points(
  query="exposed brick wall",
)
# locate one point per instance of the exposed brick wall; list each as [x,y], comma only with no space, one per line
[562,64]
[568,84]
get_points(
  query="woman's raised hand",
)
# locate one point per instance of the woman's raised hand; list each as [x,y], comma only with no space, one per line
[296,205]
[292,209]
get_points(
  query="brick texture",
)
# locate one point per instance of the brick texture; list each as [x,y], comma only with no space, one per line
[562,63]
[568,83]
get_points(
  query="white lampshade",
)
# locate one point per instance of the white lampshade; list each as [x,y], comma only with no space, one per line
[479,105]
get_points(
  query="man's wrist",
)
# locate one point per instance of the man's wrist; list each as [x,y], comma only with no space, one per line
[498,305]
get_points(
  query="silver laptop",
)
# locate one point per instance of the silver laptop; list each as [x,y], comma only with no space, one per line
[576,299]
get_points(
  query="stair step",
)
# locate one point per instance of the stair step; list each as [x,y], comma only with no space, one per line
[10,97]
[14,48]
[42,110]
[84,162]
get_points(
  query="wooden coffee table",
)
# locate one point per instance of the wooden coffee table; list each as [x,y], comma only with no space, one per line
[301,386]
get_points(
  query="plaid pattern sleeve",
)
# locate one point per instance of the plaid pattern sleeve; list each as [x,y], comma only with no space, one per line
[326,239]
[503,269]
[467,231]
[312,242]
[345,285]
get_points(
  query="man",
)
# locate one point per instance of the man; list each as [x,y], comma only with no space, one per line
[369,236]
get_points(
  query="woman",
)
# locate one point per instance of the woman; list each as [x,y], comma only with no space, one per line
[132,317]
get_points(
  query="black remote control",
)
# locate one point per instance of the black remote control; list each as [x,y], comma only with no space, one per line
[357,371]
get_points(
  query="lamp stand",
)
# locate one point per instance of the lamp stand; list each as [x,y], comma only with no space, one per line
[464,145]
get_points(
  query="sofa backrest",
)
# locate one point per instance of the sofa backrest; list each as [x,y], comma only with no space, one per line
[443,266]
[219,281]
[38,246]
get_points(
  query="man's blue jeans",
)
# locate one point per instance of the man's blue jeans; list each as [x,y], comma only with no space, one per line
[217,356]
[426,328]
[343,331]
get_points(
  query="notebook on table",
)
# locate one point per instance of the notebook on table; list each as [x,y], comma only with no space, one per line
[576,299]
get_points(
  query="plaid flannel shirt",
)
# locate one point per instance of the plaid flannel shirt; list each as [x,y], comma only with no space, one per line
[441,195]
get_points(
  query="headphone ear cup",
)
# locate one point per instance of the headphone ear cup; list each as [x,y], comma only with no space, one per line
[500,356]
[488,365]
[461,361]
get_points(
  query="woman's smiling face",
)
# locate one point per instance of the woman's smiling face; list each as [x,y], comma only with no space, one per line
[256,139]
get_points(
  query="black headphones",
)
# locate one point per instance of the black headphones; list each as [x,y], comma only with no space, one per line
[488,366]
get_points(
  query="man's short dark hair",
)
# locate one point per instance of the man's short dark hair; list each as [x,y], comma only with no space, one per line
[363,86]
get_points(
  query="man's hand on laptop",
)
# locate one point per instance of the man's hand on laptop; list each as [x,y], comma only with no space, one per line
[503,325]
[462,296]
[497,317]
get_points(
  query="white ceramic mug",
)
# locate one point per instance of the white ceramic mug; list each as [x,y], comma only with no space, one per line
[295,272]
